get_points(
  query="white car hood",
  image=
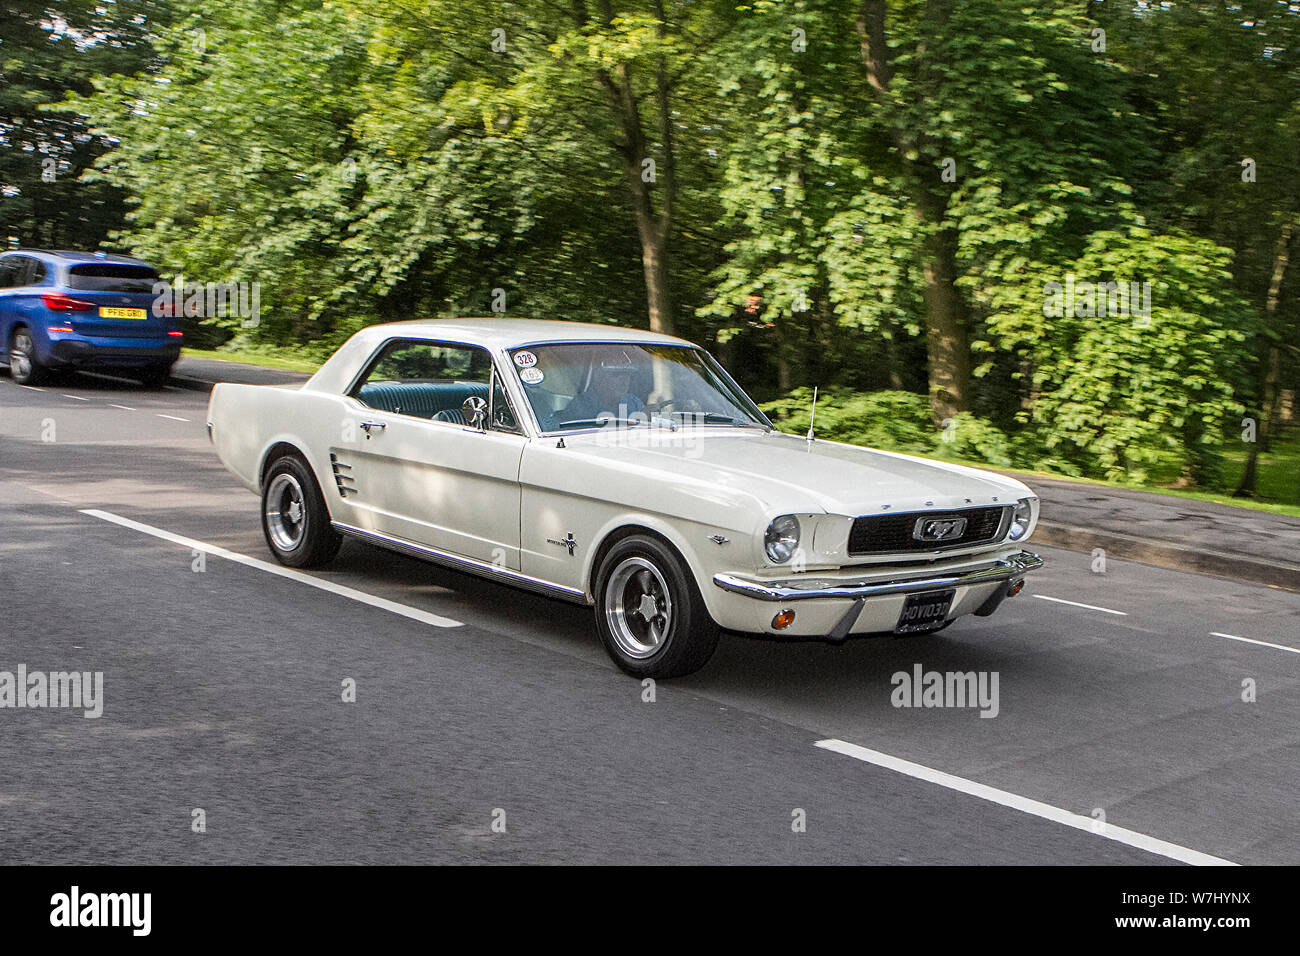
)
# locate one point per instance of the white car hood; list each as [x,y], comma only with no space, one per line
[790,475]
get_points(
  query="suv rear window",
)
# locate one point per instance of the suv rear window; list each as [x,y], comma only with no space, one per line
[110,277]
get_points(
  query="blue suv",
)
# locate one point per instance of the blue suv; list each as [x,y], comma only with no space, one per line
[65,310]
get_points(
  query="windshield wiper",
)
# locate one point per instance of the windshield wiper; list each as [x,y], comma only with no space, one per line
[720,418]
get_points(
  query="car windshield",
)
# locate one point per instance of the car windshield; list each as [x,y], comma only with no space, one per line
[599,385]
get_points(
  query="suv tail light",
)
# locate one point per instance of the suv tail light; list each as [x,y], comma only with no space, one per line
[66,303]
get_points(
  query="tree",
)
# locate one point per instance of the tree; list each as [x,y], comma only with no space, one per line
[46,50]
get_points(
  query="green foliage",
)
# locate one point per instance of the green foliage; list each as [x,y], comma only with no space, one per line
[898,421]
[374,160]
[1114,394]
[46,50]
[968,438]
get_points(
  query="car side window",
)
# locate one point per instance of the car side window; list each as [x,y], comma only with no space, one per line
[22,269]
[503,415]
[8,272]
[431,380]
[35,273]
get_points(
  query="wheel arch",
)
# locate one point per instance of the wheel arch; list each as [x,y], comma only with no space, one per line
[643,525]
[279,449]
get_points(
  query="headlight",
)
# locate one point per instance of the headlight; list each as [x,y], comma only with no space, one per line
[782,539]
[1020,518]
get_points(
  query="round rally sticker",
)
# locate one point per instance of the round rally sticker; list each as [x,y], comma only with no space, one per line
[530,376]
[525,359]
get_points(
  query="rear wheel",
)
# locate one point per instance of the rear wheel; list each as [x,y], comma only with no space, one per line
[294,517]
[23,365]
[649,612]
[154,376]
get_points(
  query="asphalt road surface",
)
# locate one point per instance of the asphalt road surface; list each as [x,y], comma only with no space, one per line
[1121,734]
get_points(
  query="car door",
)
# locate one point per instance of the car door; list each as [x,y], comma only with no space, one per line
[9,271]
[416,470]
[18,302]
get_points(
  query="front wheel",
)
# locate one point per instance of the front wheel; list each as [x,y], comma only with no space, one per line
[24,367]
[649,612]
[294,517]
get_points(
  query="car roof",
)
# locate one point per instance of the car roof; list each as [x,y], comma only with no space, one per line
[67,255]
[512,333]
[493,334]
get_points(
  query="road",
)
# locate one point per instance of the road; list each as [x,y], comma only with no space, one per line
[223,692]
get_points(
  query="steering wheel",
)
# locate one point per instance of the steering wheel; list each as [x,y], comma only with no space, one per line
[688,405]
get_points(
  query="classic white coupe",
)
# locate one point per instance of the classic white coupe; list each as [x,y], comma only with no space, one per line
[620,469]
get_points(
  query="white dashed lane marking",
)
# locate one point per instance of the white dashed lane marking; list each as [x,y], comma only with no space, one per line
[1089,607]
[1025,805]
[1251,640]
[415,614]
[175,418]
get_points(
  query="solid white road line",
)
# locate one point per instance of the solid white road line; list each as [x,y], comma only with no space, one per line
[175,418]
[30,388]
[125,408]
[1048,812]
[1251,640]
[77,398]
[415,614]
[1090,607]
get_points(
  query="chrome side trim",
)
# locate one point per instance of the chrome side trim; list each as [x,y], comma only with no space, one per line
[461,563]
[1012,566]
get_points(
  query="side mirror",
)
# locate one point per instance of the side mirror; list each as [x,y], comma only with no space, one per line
[475,412]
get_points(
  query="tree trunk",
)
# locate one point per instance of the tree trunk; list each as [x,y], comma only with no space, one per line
[1269,365]
[946,333]
[947,341]
[653,226]
[652,231]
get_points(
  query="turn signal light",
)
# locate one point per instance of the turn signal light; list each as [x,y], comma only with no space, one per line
[1015,588]
[783,620]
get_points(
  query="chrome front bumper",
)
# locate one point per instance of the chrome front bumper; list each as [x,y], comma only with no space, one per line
[793,589]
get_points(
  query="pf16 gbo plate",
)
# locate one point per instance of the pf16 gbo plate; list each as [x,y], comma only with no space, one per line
[924,612]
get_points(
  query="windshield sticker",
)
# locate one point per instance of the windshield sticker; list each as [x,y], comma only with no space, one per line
[531,376]
[525,359]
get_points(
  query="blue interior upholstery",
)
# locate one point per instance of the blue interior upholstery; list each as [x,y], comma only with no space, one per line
[422,399]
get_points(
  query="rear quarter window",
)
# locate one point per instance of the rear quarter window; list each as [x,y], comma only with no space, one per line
[111,277]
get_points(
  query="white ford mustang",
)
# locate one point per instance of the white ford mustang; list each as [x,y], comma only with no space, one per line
[620,469]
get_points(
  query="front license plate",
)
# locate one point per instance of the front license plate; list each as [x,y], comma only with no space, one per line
[924,612]
[107,313]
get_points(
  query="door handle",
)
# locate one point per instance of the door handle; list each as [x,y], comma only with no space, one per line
[369,425]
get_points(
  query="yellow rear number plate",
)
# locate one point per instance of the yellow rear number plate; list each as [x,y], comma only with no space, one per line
[106,313]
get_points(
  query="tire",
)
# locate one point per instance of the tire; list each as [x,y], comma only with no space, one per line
[24,369]
[295,521]
[649,612]
[154,376]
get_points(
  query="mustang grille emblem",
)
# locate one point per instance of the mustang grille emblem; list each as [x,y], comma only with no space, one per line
[939,529]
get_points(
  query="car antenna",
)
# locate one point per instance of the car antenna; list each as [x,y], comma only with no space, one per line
[813,419]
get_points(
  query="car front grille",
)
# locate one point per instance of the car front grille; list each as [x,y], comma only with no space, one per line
[885,534]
